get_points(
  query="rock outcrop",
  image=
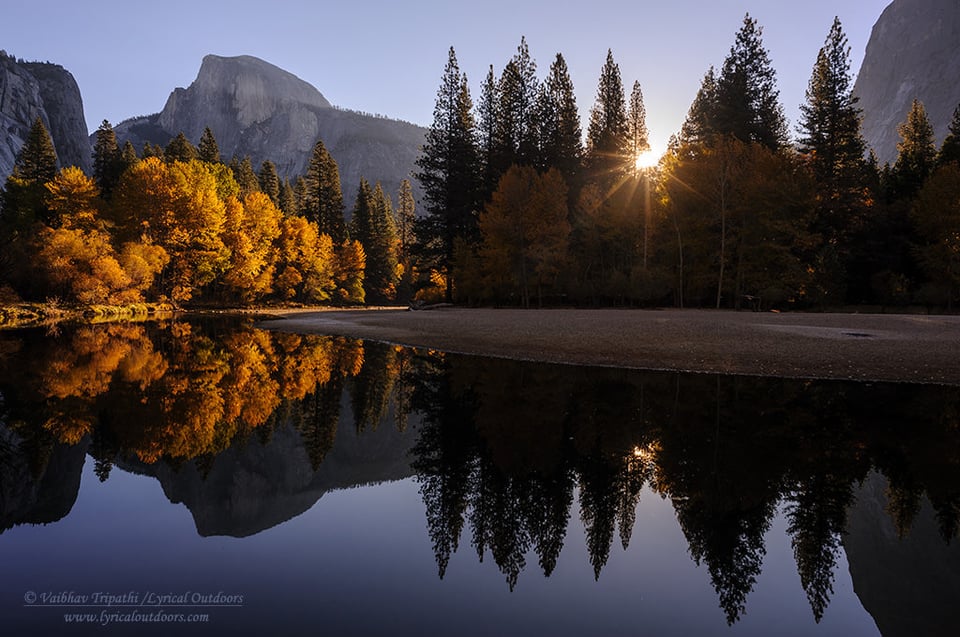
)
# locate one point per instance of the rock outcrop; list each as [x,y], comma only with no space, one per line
[32,89]
[913,53]
[258,110]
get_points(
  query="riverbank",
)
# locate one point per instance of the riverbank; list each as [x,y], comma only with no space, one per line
[864,347]
[36,314]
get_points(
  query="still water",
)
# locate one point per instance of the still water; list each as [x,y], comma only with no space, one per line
[204,477]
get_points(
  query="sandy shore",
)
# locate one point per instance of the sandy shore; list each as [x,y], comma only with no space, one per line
[924,349]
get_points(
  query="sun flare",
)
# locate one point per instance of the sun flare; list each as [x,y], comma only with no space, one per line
[646,159]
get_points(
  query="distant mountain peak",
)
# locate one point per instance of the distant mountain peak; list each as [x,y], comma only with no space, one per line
[252,89]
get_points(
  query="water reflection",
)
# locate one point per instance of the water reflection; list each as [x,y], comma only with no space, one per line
[239,425]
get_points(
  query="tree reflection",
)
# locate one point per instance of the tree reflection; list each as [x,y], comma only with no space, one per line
[503,449]
[504,446]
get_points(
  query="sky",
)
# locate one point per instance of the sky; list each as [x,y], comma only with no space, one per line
[387,56]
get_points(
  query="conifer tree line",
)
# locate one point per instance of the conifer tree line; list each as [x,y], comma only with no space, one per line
[520,208]
[176,224]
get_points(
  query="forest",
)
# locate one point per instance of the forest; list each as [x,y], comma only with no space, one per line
[519,206]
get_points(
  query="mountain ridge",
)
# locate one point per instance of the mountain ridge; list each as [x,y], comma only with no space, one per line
[259,110]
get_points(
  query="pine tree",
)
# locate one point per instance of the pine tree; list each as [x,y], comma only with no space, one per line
[128,156]
[245,176]
[917,153]
[270,181]
[288,198]
[748,102]
[107,160]
[638,136]
[950,150]
[179,149]
[833,144]
[449,169]
[607,133]
[208,150]
[700,124]
[37,160]
[323,203]
[405,220]
[487,132]
[516,120]
[24,194]
[560,135]
[372,225]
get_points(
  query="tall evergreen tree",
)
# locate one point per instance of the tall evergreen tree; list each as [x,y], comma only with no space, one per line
[559,120]
[449,174]
[405,220]
[288,198]
[245,176]
[834,146]
[950,150]
[748,102]
[516,122]
[487,132]
[107,160]
[208,149]
[37,159]
[179,149]
[917,154]
[638,137]
[323,202]
[373,226]
[699,125]
[270,181]
[24,194]
[607,133]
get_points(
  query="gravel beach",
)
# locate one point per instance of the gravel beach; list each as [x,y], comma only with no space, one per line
[878,347]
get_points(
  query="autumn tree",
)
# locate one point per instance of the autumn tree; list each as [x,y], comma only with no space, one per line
[306,266]
[176,207]
[525,233]
[323,197]
[449,175]
[251,229]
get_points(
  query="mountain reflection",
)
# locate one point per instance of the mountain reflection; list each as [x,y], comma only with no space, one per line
[502,450]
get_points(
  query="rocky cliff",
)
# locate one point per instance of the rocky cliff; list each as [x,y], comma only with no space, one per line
[48,91]
[256,109]
[909,585]
[913,53]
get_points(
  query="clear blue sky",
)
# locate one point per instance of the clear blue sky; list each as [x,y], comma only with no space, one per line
[386,56]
